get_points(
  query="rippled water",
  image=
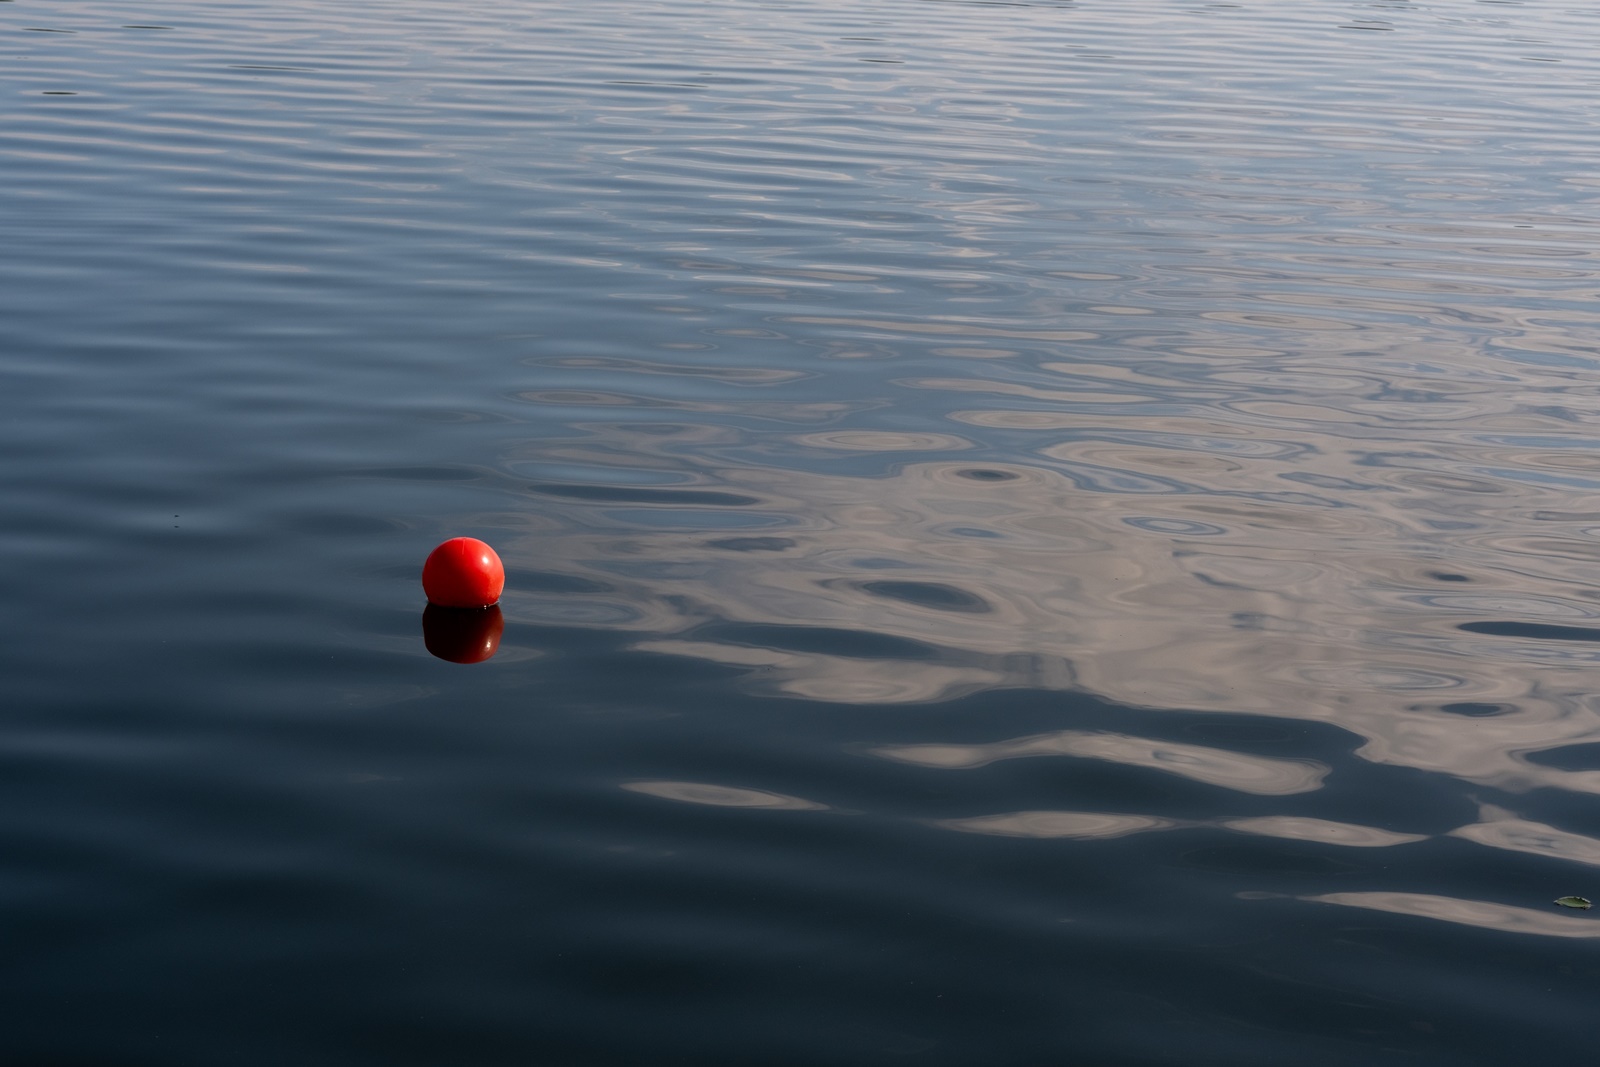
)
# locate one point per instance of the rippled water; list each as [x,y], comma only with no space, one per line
[1055,532]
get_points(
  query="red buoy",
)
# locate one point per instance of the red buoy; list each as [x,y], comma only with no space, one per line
[463,573]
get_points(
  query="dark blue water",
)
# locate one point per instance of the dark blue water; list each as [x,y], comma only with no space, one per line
[1039,533]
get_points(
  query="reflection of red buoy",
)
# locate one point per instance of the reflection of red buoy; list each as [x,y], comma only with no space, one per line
[463,573]
[462,635]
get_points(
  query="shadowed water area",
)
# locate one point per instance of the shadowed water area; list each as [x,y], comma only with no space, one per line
[1037,533]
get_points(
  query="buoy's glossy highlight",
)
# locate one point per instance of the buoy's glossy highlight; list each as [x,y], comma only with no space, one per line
[463,573]
[462,635]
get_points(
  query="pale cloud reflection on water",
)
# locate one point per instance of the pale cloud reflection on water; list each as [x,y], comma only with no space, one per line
[1506,918]
[1002,575]
[1231,770]
[952,578]
[722,796]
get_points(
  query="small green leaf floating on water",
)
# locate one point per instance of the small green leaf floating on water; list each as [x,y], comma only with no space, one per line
[1574,902]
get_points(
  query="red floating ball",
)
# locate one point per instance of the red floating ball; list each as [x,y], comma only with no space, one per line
[463,573]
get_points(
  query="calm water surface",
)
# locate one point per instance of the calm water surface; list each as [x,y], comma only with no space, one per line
[1040,533]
